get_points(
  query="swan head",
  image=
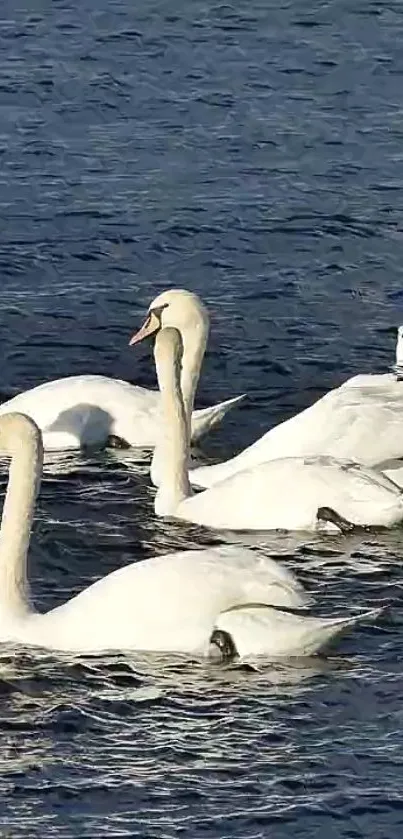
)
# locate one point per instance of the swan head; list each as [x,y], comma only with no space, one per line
[178,308]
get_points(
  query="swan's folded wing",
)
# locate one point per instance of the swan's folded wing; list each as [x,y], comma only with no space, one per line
[204,419]
[262,630]
[355,421]
[362,422]
[261,579]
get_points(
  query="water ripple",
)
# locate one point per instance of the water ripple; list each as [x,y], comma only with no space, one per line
[253,154]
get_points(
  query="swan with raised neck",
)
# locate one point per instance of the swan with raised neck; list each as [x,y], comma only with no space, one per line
[185,311]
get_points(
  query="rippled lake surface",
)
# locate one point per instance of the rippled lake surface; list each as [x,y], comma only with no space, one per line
[252,152]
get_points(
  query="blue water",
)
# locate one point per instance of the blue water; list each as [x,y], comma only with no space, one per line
[253,153]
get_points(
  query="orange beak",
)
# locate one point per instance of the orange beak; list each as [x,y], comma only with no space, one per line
[150,326]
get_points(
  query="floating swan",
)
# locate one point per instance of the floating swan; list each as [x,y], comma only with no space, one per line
[362,420]
[288,493]
[189,601]
[86,410]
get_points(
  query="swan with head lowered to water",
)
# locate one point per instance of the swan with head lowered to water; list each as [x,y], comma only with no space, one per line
[362,420]
[89,410]
[293,493]
[195,601]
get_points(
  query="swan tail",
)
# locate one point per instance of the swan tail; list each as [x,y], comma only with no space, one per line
[328,632]
[205,419]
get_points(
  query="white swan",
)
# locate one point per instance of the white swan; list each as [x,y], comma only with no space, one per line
[361,420]
[85,410]
[183,602]
[287,493]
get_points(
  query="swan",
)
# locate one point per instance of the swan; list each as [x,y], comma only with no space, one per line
[361,420]
[87,410]
[190,601]
[293,493]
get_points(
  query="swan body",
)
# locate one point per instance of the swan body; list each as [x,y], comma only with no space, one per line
[85,410]
[80,411]
[285,493]
[171,603]
[362,420]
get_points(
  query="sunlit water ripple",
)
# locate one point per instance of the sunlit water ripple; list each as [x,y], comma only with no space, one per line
[253,153]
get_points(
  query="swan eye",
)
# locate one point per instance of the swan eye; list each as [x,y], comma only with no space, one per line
[158,313]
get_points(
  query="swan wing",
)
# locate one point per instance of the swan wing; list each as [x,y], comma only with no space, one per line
[205,419]
[362,422]
[262,630]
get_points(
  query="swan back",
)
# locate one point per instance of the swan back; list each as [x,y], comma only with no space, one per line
[168,602]
[287,493]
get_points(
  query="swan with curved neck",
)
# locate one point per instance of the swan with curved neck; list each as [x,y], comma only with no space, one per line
[89,410]
[190,601]
[288,493]
[186,312]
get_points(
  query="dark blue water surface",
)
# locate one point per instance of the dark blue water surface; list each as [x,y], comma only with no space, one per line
[253,153]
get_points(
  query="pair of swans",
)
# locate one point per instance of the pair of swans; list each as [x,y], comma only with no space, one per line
[88,410]
[227,600]
[297,492]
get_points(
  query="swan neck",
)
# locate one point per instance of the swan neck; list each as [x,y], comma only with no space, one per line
[170,460]
[18,510]
[194,340]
